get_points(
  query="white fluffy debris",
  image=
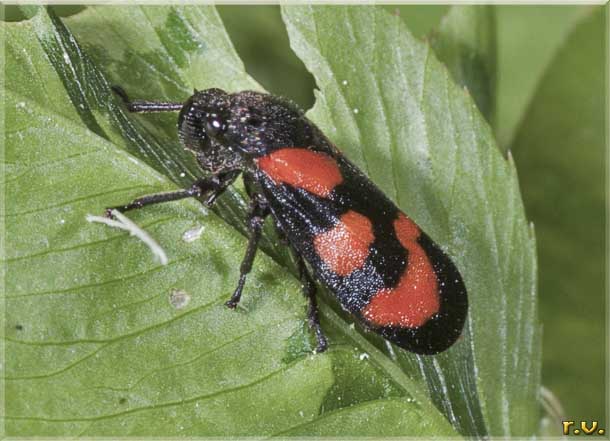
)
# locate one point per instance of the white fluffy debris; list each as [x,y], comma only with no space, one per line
[124,223]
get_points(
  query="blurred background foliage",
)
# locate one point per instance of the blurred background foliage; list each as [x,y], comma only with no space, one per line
[550,112]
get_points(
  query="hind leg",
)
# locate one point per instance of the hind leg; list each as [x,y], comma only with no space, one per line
[313,313]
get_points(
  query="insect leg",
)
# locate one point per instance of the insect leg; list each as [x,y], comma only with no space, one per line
[256,217]
[212,187]
[313,314]
[140,106]
[309,291]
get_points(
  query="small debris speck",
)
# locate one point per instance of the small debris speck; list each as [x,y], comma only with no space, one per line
[364,356]
[179,299]
[193,234]
[344,82]
[356,111]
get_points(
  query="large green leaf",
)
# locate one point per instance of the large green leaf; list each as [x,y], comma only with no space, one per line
[392,107]
[560,150]
[96,344]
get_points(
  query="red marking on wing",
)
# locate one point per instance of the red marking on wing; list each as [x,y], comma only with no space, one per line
[345,247]
[415,299]
[315,172]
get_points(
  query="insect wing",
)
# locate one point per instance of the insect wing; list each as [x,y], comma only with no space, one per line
[377,262]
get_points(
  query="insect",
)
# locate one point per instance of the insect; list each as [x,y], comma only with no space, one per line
[343,231]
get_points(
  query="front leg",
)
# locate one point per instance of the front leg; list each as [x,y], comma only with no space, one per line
[210,188]
[259,210]
[145,106]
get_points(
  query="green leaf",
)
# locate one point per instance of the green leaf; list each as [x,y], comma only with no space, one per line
[560,150]
[388,103]
[465,42]
[95,343]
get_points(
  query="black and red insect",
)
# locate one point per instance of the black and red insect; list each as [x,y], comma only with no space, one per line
[343,230]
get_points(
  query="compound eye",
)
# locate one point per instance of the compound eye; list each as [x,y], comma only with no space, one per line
[215,126]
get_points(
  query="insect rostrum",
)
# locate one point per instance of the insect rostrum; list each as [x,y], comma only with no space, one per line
[376,261]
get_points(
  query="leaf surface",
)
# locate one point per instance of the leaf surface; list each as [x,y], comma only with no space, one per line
[388,103]
[96,342]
